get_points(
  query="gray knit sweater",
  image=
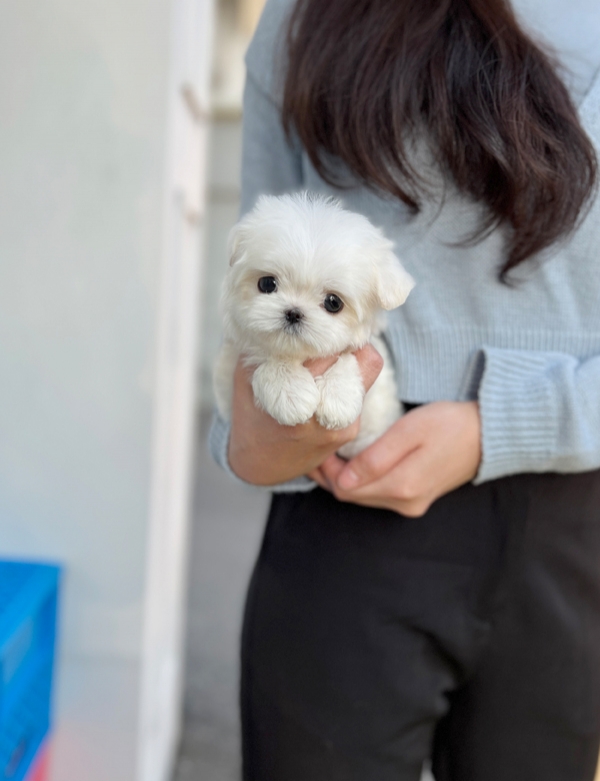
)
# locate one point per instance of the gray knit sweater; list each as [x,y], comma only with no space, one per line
[530,353]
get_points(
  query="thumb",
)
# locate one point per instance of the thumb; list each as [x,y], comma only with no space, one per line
[379,458]
[369,360]
[318,366]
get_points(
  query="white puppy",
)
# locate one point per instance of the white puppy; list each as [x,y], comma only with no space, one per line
[309,279]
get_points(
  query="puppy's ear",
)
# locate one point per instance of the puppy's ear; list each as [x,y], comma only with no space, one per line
[236,243]
[394,283]
[242,233]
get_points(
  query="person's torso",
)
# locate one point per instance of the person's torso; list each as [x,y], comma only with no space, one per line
[459,304]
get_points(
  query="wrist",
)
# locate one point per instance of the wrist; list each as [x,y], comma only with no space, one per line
[475,434]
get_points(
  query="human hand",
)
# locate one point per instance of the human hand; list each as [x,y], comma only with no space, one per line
[427,453]
[263,452]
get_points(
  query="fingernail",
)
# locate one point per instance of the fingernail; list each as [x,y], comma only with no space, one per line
[348,479]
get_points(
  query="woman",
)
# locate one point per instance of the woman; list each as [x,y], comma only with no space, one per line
[438,597]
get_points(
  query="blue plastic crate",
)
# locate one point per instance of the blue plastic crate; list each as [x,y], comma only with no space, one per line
[28,605]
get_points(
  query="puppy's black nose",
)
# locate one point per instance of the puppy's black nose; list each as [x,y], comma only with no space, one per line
[293,316]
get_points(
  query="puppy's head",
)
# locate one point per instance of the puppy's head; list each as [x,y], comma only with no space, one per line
[307,278]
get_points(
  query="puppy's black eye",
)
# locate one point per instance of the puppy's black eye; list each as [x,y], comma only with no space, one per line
[267,284]
[333,303]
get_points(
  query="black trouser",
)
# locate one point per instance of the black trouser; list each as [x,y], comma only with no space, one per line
[470,636]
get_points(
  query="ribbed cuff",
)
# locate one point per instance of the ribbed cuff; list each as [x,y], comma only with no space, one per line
[519,412]
[218,443]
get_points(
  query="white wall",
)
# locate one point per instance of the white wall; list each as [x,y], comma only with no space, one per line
[100,220]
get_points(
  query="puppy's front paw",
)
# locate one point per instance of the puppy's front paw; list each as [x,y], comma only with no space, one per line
[342,394]
[287,393]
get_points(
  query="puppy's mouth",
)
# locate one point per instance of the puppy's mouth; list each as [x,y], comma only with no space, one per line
[294,331]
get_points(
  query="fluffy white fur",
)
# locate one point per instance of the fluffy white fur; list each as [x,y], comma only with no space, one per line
[312,247]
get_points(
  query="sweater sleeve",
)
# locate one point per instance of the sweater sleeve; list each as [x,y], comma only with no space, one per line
[540,412]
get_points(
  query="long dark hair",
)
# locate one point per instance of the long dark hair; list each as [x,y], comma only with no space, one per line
[366,76]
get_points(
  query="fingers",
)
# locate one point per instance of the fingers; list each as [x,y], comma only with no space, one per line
[369,360]
[370,363]
[378,459]
[331,468]
[402,484]
[427,453]
[402,489]
[318,366]
[326,474]
[319,478]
